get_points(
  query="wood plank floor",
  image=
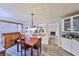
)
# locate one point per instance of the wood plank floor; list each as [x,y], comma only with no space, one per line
[47,50]
[54,50]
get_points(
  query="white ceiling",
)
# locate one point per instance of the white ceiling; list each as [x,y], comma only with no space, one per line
[43,12]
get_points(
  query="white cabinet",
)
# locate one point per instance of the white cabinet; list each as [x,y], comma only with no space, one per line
[66,44]
[75,47]
[71,45]
[71,25]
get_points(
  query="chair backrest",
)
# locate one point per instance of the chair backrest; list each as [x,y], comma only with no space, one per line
[22,42]
[34,37]
[23,45]
[23,36]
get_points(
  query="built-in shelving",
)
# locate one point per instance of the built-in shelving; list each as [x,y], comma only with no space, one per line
[70,34]
[71,24]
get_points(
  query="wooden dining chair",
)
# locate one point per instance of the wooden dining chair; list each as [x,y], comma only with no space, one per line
[37,46]
[21,37]
[24,46]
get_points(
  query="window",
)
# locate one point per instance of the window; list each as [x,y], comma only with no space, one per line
[9,27]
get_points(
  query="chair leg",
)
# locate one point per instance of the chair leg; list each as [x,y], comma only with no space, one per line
[31,51]
[21,50]
[38,51]
[25,51]
[17,46]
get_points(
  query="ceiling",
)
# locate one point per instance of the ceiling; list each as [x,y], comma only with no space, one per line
[43,12]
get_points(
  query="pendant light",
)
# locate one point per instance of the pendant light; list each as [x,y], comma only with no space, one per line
[32,24]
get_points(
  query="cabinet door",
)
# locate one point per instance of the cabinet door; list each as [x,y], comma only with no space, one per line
[76,23]
[66,44]
[67,24]
[75,47]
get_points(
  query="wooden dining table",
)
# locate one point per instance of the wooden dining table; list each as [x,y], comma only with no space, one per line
[32,43]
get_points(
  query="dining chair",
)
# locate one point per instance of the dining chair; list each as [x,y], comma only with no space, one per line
[21,37]
[24,46]
[37,46]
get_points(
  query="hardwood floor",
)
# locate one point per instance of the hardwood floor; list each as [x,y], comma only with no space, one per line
[54,50]
[47,50]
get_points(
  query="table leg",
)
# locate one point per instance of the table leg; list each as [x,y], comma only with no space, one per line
[31,51]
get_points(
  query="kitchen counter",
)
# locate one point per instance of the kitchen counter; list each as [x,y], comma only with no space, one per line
[71,38]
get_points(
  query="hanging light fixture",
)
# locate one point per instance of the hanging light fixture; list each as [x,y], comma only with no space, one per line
[32,24]
[32,27]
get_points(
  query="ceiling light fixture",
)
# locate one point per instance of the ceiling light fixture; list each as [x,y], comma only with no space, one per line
[32,25]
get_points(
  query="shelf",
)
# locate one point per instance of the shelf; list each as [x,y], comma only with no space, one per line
[71,24]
